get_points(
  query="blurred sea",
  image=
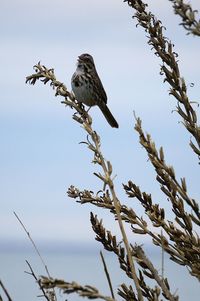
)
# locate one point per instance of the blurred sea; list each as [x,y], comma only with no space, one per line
[83,266]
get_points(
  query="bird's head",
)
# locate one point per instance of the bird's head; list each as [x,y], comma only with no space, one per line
[85,60]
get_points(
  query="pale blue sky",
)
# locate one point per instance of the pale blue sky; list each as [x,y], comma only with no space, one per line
[40,152]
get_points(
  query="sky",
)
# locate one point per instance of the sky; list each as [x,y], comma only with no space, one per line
[40,154]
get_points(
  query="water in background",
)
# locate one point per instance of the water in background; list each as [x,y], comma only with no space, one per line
[85,268]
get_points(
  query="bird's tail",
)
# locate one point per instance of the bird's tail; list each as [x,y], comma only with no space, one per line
[108,115]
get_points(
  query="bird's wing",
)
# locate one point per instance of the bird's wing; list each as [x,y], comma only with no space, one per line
[98,86]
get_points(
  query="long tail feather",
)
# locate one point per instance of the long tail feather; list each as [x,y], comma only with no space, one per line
[108,115]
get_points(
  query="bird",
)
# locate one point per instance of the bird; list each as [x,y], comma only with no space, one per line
[88,89]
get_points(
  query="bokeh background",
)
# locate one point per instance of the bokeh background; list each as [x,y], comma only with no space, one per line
[40,154]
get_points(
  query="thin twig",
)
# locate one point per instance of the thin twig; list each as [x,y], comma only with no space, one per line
[5,291]
[37,280]
[36,249]
[162,257]
[107,275]
[33,243]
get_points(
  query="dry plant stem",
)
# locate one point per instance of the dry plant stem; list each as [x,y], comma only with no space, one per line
[111,244]
[5,291]
[37,280]
[107,275]
[35,247]
[73,287]
[184,247]
[47,75]
[170,69]
[166,292]
[117,205]
[162,257]
[33,243]
[184,238]
[166,174]
[187,14]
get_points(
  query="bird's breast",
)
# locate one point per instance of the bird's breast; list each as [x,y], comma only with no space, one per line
[82,89]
